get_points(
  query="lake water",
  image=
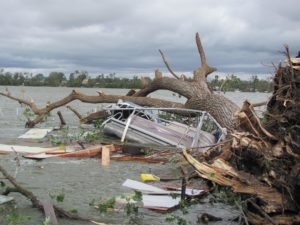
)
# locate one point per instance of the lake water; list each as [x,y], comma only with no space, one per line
[84,179]
[12,119]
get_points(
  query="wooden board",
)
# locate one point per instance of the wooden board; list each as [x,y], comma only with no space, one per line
[85,153]
[24,149]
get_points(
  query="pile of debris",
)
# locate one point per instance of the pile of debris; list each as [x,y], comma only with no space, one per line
[261,162]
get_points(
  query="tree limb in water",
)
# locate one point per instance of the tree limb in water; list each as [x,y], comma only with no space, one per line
[36,203]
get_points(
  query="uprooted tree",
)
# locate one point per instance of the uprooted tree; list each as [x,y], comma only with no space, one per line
[197,92]
[260,160]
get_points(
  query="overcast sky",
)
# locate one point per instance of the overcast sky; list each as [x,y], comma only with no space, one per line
[124,36]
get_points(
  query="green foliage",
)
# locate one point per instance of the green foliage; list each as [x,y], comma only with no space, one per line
[47,221]
[55,79]
[62,139]
[211,174]
[102,205]
[131,207]
[56,141]
[2,184]
[98,123]
[138,196]
[76,79]
[179,218]
[16,219]
[73,211]
[175,219]
[82,79]
[183,206]
[225,195]
[174,195]
[107,205]
[28,113]
[90,136]
[57,195]
[233,83]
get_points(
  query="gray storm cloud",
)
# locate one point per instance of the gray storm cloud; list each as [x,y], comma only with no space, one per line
[124,35]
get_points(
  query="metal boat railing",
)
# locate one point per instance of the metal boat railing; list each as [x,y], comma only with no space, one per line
[198,116]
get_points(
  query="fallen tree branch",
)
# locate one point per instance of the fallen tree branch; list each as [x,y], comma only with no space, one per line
[167,64]
[30,103]
[74,111]
[102,114]
[18,162]
[9,190]
[36,203]
[263,212]
[75,95]
[61,118]
[279,219]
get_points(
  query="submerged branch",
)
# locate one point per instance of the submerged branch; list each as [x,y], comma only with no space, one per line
[36,203]
[75,95]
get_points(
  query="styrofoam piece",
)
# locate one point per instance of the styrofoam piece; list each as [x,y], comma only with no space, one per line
[36,133]
[136,185]
[160,201]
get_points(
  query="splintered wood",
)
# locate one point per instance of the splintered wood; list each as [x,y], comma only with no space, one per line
[222,173]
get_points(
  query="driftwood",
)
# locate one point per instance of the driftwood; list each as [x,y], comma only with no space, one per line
[199,96]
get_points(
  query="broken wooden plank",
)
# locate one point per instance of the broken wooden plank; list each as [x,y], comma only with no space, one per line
[25,149]
[105,159]
[240,182]
[93,151]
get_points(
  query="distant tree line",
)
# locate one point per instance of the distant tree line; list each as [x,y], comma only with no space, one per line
[82,79]
[233,83]
[76,79]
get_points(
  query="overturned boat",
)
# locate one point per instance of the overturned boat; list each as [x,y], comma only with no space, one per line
[183,128]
